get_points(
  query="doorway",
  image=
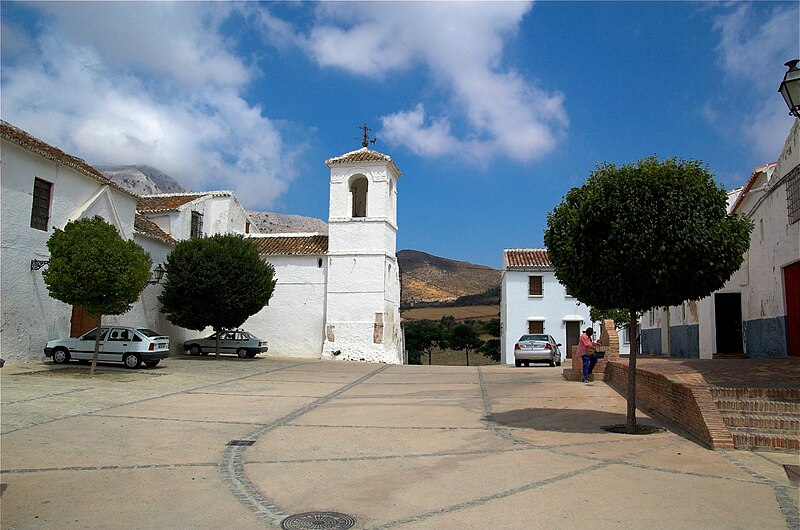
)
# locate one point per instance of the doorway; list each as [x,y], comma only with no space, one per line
[81,322]
[573,335]
[728,320]
[791,293]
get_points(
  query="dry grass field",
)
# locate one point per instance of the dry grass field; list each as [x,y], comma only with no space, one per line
[473,312]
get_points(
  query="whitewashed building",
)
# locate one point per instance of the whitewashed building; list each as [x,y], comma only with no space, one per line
[757,312]
[338,295]
[44,188]
[533,301]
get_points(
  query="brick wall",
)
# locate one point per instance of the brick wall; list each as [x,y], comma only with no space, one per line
[692,408]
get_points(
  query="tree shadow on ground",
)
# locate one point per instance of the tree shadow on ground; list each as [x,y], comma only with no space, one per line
[558,420]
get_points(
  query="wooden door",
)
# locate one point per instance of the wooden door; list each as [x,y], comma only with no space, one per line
[791,293]
[728,320]
[81,322]
[573,336]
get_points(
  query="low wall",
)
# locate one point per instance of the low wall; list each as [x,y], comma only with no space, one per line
[692,408]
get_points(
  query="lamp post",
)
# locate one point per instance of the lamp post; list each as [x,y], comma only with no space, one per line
[790,88]
[158,273]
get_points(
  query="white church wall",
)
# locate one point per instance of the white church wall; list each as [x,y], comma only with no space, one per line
[29,316]
[294,320]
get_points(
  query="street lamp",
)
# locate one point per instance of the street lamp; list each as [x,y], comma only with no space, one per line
[158,273]
[790,88]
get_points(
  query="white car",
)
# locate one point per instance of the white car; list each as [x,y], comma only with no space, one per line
[131,346]
[537,348]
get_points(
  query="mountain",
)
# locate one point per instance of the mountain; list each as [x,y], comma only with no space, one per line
[428,278]
[279,223]
[141,179]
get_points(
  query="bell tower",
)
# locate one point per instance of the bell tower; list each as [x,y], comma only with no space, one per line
[362,307]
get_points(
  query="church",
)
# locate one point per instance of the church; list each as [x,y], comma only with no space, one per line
[337,295]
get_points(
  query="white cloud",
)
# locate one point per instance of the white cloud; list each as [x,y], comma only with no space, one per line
[118,83]
[459,46]
[754,44]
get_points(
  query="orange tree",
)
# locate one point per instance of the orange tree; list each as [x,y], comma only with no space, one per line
[653,233]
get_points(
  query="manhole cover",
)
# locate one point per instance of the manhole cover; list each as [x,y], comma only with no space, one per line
[318,520]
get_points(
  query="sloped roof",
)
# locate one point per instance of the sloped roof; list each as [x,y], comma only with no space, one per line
[17,136]
[750,182]
[362,155]
[294,245]
[518,258]
[145,226]
[165,202]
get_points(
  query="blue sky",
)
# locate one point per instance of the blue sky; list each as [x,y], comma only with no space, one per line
[491,110]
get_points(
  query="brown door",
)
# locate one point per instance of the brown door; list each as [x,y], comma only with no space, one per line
[728,320]
[81,322]
[791,292]
[573,336]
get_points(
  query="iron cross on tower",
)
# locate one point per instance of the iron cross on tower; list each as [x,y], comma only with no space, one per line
[366,140]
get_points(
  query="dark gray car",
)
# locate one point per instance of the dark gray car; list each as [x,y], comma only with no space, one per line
[237,341]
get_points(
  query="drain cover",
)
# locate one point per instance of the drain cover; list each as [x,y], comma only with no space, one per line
[318,520]
[241,442]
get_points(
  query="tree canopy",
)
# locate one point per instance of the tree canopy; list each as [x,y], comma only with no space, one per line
[218,281]
[644,235]
[91,266]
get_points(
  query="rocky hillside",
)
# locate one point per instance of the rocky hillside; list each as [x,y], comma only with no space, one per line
[141,179]
[277,223]
[427,278]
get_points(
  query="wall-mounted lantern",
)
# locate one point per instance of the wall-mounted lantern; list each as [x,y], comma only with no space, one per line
[158,274]
[38,264]
[790,88]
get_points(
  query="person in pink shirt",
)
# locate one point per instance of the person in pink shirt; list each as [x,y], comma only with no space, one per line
[586,349]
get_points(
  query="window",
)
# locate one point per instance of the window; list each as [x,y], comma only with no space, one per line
[535,326]
[793,195]
[40,212]
[568,292]
[247,227]
[197,225]
[535,286]
[358,192]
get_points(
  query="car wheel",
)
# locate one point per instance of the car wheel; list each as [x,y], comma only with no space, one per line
[552,363]
[152,364]
[252,354]
[194,349]
[242,353]
[527,364]
[518,363]
[558,363]
[131,360]
[60,355]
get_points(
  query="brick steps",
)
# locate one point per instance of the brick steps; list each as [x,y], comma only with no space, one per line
[761,418]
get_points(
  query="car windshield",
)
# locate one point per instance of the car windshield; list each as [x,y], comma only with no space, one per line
[148,332]
[534,337]
[92,336]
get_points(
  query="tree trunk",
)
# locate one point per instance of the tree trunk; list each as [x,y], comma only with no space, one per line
[466,350]
[630,426]
[96,344]
[430,353]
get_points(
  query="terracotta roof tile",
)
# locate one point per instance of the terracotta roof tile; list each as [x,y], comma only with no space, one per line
[526,258]
[145,226]
[165,202]
[299,245]
[23,139]
[362,155]
[752,180]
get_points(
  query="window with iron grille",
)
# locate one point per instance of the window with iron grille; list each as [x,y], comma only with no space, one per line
[40,212]
[793,195]
[535,287]
[197,225]
[535,327]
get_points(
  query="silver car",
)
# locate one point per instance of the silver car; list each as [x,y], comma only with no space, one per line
[237,341]
[131,346]
[537,348]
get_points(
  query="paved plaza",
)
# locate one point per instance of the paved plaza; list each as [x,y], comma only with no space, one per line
[412,447]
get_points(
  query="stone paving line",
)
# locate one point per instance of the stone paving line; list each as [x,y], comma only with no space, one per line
[266,479]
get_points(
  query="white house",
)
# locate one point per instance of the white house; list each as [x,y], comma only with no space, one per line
[533,301]
[757,312]
[44,188]
[338,295]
